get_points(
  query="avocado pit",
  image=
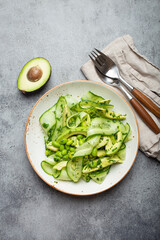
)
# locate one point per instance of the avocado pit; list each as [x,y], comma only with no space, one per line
[34,74]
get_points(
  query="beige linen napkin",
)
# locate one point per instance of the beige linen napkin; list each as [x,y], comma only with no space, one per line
[143,75]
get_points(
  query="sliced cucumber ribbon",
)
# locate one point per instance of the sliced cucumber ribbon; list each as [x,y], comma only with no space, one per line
[76,119]
[102,126]
[93,97]
[48,119]
[100,175]
[48,168]
[60,165]
[71,101]
[63,175]
[74,169]
[87,147]
[62,113]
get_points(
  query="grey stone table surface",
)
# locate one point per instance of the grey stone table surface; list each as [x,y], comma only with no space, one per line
[65,32]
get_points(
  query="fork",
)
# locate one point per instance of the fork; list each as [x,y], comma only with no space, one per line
[103,67]
[109,69]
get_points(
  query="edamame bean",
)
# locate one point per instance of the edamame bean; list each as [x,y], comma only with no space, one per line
[61,147]
[93,164]
[57,159]
[63,141]
[64,152]
[94,152]
[74,142]
[65,156]
[81,141]
[87,178]
[55,144]
[67,147]
[69,142]
[79,137]
[48,153]
[59,154]
[72,149]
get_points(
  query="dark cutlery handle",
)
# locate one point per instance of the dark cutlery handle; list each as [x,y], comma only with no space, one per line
[145,116]
[146,102]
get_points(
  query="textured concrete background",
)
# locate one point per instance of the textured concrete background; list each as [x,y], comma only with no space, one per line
[65,32]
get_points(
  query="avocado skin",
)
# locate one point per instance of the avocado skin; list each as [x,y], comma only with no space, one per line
[35,91]
[41,87]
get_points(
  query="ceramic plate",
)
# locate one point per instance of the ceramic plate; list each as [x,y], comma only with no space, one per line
[34,137]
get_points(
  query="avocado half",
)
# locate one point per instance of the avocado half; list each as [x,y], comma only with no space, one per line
[34,75]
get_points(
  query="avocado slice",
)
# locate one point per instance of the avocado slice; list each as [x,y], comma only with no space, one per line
[115,148]
[101,153]
[103,141]
[66,133]
[110,114]
[34,75]
[101,163]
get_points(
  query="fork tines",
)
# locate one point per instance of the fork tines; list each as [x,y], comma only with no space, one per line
[97,57]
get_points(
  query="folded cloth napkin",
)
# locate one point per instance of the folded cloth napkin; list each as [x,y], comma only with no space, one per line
[143,75]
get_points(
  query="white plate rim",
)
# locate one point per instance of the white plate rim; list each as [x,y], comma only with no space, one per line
[28,121]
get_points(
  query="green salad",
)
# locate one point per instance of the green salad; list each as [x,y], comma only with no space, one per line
[83,138]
